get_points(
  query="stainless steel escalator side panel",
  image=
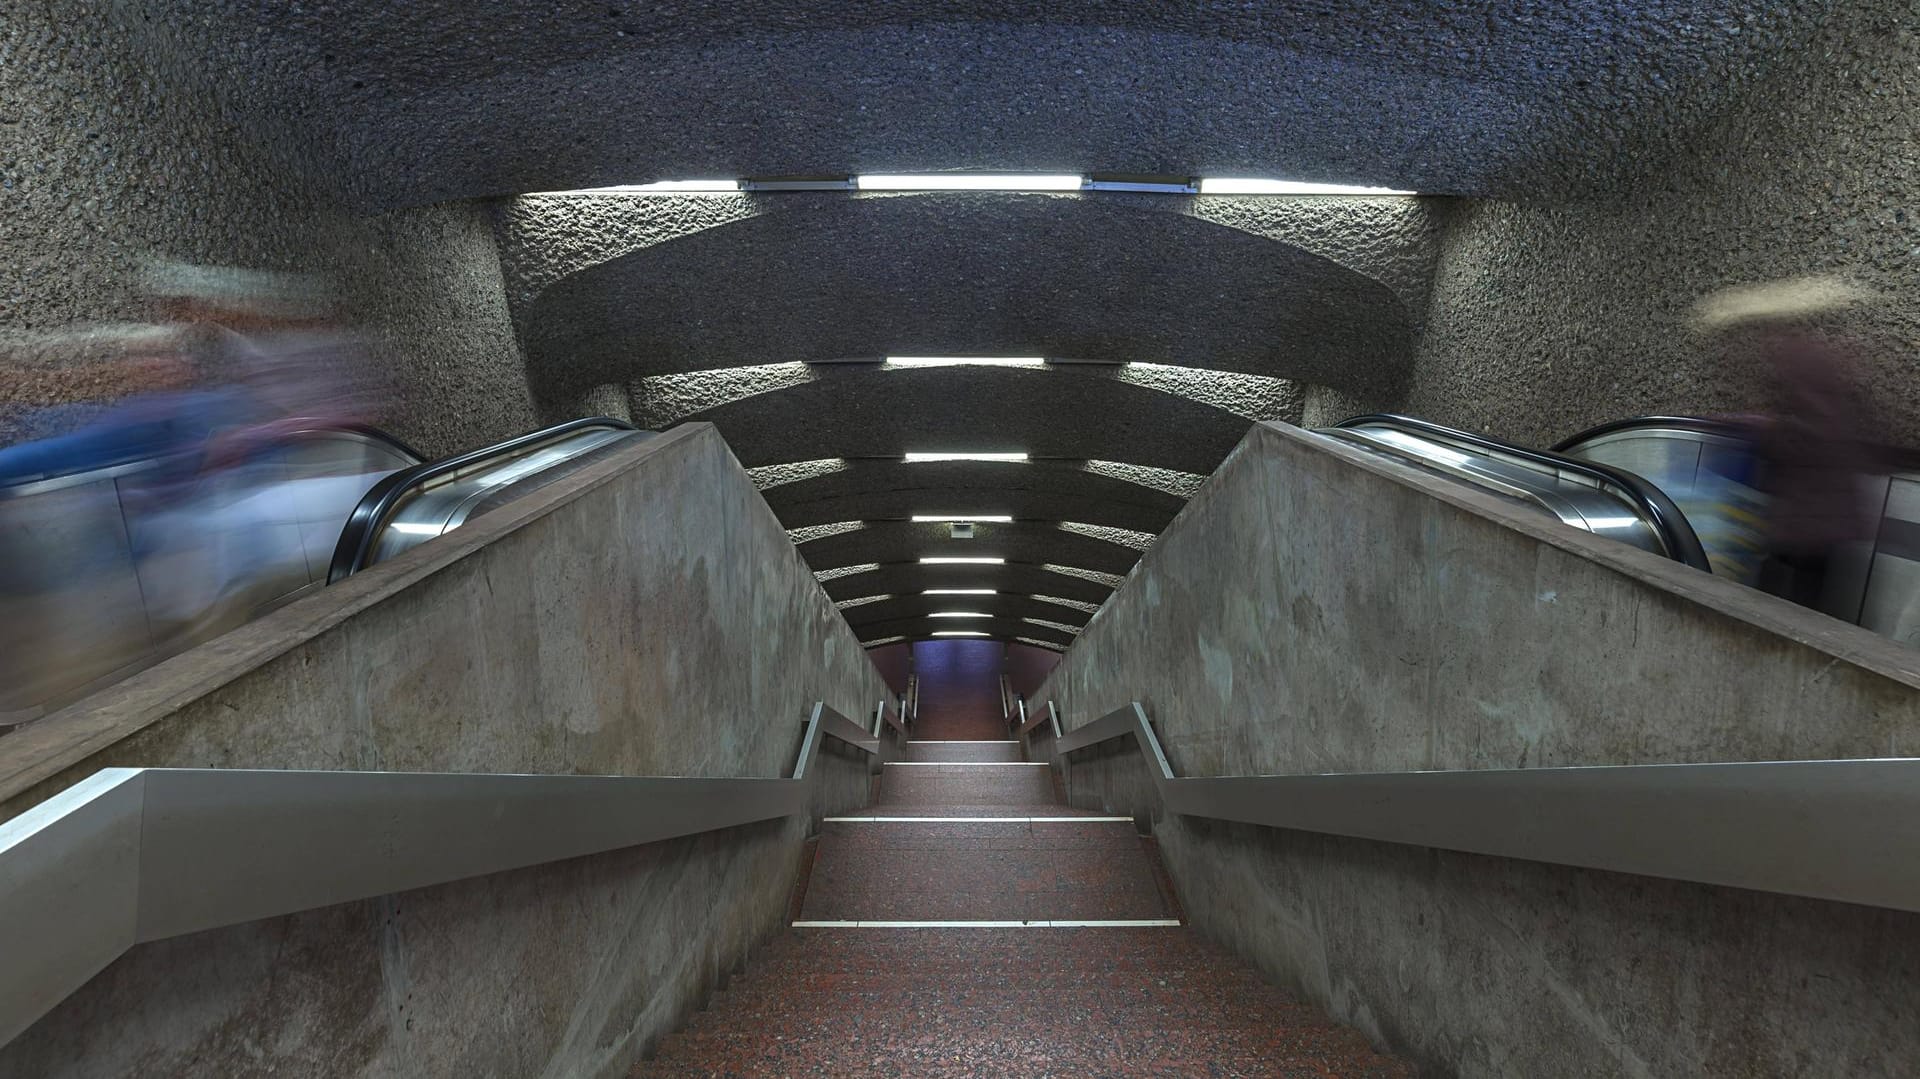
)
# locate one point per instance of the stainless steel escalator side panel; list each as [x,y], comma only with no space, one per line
[1573,500]
[419,504]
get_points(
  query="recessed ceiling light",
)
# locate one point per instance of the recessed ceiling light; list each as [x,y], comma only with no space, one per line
[912,457]
[962,361]
[1247,186]
[959,633]
[959,614]
[959,592]
[968,181]
[951,560]
[981,518]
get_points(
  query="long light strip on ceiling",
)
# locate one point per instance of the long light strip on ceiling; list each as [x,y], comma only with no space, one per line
[966,361]
[1228,185]
[968,181]
[955,560]
[959,614]
[962,518]
[915,457]
[959,633]
[658,187]
[959,592]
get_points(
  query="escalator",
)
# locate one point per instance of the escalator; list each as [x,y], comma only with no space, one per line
[108,570]
[1588,495]
[1681,487]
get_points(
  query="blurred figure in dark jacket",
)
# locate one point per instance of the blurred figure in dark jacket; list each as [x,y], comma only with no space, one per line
[1814,448]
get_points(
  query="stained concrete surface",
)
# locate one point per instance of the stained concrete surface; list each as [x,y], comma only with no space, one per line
[1314,610]
[1548,316]
[119,146]
[646,616]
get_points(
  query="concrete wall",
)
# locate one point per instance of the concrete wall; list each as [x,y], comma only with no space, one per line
[118,147]
[1028,667]
[645,616]
[1548,317]
[1314,610]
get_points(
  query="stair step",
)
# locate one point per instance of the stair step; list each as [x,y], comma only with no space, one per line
[965,882]
[961,784]
[965,751]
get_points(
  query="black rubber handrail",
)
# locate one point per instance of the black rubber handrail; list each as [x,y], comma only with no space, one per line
[364,524]
[1649,501]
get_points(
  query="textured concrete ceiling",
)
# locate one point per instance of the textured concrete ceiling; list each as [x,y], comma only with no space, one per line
[1209,313]
[428,101]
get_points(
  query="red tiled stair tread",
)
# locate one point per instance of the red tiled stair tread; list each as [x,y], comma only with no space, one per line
[963,751]
[916,883]
[962,785]
[1210,1017]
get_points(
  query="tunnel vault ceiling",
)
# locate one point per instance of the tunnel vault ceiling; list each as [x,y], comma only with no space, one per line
[422,102]
[1210,314]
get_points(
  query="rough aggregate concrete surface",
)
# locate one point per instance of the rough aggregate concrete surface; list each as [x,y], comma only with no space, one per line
[1550,316]
[449,102]
[116,146]
[1310,614]
[601,637]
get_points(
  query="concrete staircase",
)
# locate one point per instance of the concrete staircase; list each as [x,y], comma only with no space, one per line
[985,839]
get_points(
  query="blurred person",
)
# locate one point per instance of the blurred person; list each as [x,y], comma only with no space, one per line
[1813,449]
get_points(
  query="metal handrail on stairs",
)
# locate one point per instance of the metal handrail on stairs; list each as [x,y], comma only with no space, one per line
[1842,830]
[131,855]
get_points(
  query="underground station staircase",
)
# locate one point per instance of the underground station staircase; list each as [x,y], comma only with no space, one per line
[969,923]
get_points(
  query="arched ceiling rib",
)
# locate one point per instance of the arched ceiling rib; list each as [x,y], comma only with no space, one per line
[824,278]
[882,489]
[1073,412]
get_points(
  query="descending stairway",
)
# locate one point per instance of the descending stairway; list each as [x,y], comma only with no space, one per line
[1078,965]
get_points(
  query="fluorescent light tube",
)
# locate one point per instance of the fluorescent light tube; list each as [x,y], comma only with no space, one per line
[912,457]
[959,614]
[959,633]
[947,560]
[968,181]
[967,361]
[1246,186]
[960,592]
[981,518]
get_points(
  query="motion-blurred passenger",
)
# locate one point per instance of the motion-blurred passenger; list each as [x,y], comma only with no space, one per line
[1813,449]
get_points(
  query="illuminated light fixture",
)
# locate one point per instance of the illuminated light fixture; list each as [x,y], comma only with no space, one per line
[966,361]
[959,614]
[961,560]
[959,633]
[968,181]
[913,457]
[959,592]
[658,187]
[976,518]
[1238,186]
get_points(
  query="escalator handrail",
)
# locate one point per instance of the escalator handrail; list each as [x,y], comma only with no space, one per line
[1649,501]
[369,517]
[1892,458]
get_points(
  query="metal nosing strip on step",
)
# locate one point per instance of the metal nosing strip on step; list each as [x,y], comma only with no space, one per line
[1064,923]
[963,742]
[968,764]
[977,820]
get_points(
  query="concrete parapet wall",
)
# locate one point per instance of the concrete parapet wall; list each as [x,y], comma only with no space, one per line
[1316,610]
[644,616]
